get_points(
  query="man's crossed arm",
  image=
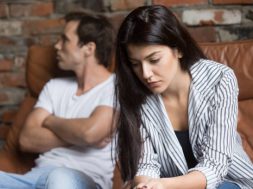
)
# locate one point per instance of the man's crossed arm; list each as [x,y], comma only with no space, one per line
[43,131]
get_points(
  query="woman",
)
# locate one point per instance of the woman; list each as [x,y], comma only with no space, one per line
[178,110]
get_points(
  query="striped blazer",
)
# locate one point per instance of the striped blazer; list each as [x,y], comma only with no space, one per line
[212,119]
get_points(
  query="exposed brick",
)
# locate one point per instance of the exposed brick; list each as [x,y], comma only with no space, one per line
[211,17]
[169,3]
[15,45]
[3,10]
[3,97]
[11,96]
[6,65]
[247,15]
[12,42]
[126,4]
[42,26]
[12,79]
[43,9]
[236,33]
[203,34]
[35,9]
[48,39]
[19,63]
[10,28]
[232,2]
[227,36]
[95,5]
[70,5]
[6,41]
[116,20]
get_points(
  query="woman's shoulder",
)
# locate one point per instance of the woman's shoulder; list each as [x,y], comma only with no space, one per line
[206,65]
[208,74]
[209,71]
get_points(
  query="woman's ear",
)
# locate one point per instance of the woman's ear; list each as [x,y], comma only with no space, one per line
[178,53]
[89,48]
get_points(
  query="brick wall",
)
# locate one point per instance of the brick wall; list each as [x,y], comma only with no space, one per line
[26,22]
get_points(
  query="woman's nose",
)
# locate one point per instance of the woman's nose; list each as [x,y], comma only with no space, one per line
[146,71]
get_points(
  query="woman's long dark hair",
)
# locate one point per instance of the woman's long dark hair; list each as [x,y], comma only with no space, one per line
[147,25]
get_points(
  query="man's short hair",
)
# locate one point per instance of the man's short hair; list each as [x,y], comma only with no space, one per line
[97,29]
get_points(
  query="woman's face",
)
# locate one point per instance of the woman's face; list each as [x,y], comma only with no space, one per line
[155,65]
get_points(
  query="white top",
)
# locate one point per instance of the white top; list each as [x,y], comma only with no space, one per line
[59,98]
[212,119]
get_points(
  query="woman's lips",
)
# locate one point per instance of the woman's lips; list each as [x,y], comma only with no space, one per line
[154,84]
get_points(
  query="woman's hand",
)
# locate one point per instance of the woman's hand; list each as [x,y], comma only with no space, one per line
[151,184]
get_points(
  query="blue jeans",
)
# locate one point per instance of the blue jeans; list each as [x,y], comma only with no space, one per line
[228,185]
[47,178]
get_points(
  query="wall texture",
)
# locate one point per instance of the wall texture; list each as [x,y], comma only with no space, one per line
[26,22]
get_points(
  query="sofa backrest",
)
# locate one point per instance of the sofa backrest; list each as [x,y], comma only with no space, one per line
[42,65]
[239,56]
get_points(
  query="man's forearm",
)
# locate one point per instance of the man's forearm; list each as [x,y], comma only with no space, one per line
[35,138]
[91,131]
[42,140]
[69,130]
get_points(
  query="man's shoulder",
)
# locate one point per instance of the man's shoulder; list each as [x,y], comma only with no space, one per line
[61,81]
[107,84]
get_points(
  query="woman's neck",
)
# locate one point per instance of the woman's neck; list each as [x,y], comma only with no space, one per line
[179,88]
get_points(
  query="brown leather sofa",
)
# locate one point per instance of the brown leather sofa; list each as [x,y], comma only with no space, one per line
[41,66]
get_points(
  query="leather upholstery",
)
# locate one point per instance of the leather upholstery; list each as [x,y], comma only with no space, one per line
[42,65]
[239,56]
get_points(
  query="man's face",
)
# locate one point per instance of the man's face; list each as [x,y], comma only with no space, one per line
[69,53]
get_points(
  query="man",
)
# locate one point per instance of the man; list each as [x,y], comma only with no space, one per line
[73,117]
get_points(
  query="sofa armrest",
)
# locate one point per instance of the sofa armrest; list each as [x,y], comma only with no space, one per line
[11,158]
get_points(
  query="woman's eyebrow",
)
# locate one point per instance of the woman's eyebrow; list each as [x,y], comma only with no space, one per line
[151,54]
[146,57]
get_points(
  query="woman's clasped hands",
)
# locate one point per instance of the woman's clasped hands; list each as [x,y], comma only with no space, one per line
[151,184]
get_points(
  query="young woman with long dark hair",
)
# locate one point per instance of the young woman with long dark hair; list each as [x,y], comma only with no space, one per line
[178,110]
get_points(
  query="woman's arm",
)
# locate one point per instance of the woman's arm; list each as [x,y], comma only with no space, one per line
[218,144]
[217,148]
[192,180]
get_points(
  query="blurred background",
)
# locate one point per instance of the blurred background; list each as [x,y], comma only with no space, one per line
[27,22]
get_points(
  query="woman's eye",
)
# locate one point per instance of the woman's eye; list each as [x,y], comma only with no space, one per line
[153,61]
[134,65]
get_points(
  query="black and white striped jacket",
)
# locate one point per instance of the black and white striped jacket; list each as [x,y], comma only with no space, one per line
[212,118]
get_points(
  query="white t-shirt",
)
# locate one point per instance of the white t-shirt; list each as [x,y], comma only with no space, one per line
[58,97]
